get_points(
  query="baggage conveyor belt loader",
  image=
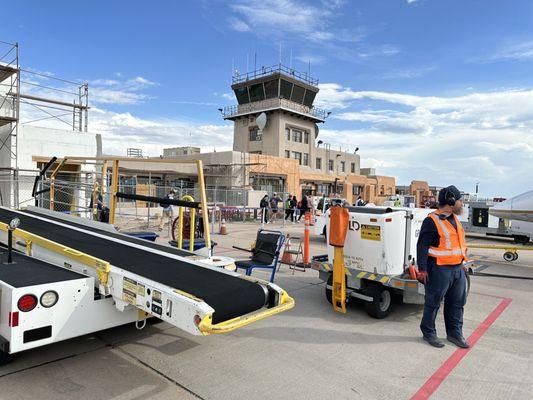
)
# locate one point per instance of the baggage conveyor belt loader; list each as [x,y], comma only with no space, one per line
[67,279]
[378,249]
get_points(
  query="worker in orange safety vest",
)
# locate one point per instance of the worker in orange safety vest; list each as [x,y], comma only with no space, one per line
[441,251]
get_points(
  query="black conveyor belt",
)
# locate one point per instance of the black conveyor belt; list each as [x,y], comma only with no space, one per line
[28,271]
[229,296]
[117,235]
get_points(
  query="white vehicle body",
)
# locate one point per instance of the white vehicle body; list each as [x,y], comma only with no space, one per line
[380,242]
[321,217]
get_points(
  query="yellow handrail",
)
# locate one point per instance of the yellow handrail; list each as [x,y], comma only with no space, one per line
[207,327]
[102,267]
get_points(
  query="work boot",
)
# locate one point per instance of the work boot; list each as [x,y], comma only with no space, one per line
[459,342]
[434,341]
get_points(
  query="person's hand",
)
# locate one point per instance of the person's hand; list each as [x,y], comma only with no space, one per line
[422,277]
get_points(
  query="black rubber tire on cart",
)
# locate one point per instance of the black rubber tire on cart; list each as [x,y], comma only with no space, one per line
[382,303]
[329,291]
[5,358]
[510,256]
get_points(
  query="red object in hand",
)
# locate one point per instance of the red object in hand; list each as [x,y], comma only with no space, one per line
[422,277]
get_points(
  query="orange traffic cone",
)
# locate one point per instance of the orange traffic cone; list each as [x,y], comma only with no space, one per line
[287,257]
[223,229]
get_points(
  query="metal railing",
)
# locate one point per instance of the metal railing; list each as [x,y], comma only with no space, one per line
[278,68]
[267,104]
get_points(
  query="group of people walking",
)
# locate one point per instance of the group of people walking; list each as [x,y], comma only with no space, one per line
[294,209]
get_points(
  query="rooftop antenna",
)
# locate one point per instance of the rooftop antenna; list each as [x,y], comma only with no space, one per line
[255,62]
[309,69]
[232,66]
[247,63]
[290,61]
[280,54]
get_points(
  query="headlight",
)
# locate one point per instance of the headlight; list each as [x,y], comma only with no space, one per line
[49,299]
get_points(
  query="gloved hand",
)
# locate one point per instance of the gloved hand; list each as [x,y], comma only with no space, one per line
[422,277]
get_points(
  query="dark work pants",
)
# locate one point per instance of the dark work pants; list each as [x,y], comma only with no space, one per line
[448,283]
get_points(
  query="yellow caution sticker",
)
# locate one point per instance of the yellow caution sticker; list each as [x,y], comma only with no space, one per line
[129,290]
[140,290]
[371,232]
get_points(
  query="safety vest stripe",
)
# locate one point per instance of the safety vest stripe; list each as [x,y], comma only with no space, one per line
[453,252]
[445,231]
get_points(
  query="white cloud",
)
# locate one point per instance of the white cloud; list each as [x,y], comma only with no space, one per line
[484,137]
[409,73]
[522,51]
[121,130]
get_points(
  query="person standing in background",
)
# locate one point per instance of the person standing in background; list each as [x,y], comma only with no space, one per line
[167,210]
[274,207]
[304,207]
[288,209]
[263,205]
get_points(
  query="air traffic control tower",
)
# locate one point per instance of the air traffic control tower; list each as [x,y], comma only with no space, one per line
[275,113]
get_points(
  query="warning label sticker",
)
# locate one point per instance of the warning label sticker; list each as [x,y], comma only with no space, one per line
[129,290]
[371,232]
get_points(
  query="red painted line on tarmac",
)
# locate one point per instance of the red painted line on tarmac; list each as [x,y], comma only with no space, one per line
[432,384]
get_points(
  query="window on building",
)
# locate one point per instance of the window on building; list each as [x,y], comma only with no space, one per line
[309,98]
[271,89]
[306,137]
[343,166]
[296,136]
[306,159]
[287,134]
[318,163]
[297,94]
[330,165]
[297,156]
[356,190]
[353,168]
[285,89]
[287,154]
[257,92]
[255,136]
[242,95]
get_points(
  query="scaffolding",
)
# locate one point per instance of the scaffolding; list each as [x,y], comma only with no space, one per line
[9,98]
[29,97]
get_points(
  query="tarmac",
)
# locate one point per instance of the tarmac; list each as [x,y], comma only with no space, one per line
[309,352]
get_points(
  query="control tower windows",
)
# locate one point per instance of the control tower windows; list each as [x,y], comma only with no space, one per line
[287,134]
[306,137]
[309,98]
[298,94]
[257,92]
[271,89]
[242,95]
[285,89]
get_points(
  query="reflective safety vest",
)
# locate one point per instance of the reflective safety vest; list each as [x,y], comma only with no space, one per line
[452,244]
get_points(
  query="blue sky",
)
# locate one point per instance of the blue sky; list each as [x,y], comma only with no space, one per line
[427,89]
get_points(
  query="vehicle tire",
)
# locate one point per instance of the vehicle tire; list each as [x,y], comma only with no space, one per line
[510,256]
[329,291]
[5,358]
[325,233]
[381,305]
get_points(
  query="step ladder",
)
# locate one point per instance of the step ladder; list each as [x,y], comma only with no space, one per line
[298,262]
